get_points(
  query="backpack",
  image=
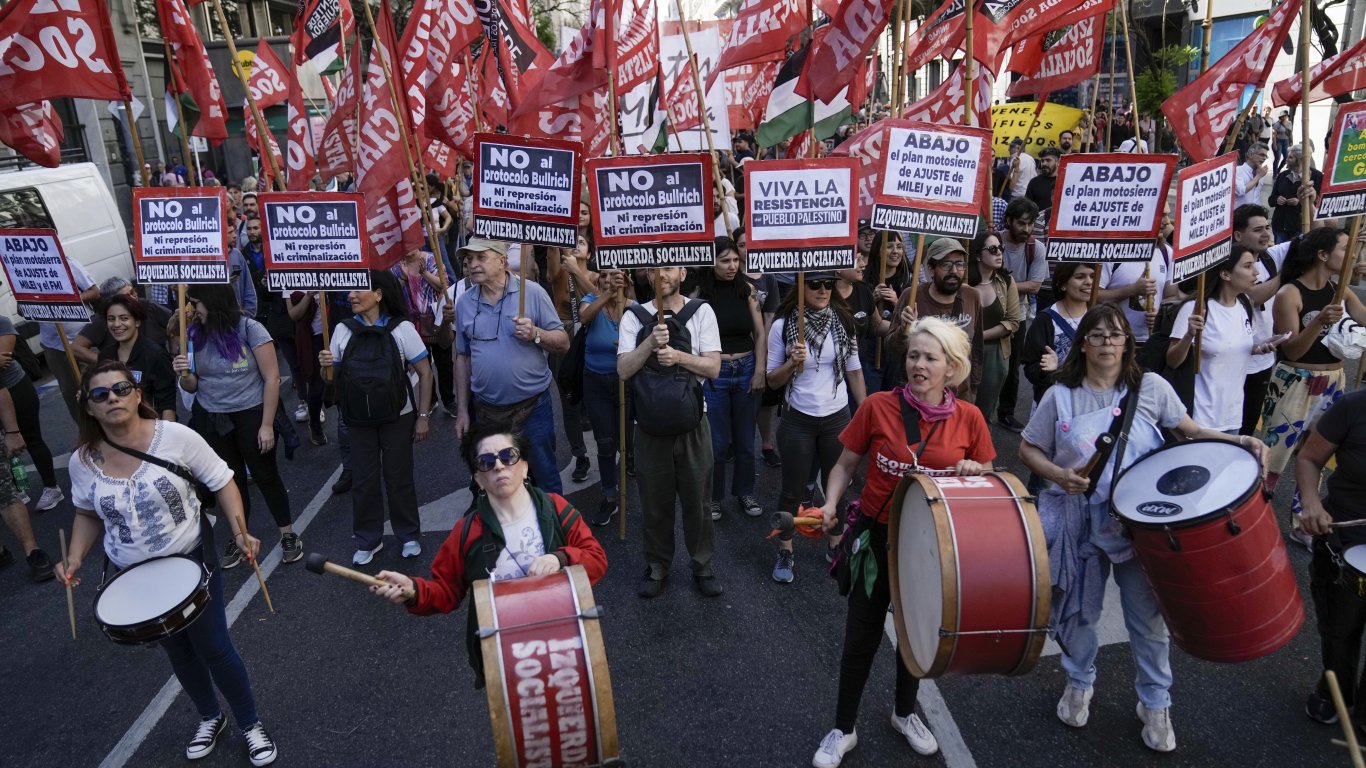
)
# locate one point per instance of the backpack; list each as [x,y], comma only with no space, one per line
[668,401]
[372,378]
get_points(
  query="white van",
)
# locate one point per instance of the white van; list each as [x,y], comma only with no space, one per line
[75,201]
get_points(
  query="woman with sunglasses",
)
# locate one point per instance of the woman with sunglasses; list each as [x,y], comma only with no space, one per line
[514,530]
[232,370]
[955,440]
[1002,314]
[814,367]
[1093,389]
[139,510]
[385,447]
[150,363]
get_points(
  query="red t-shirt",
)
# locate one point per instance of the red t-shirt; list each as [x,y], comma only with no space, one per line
[878,432]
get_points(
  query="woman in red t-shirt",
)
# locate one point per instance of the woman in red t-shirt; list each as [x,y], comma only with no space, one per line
[955,440]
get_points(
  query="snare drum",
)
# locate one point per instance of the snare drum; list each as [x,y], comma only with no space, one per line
[152,600]
[1210,547]
[544,665]
[1352,570]
[969,575]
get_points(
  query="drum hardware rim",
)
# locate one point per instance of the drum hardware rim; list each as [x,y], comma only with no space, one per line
[1172,541]
[594,614]
[577,579]
[1016,497]
[1232,506]
[1037,630]
[1042,602]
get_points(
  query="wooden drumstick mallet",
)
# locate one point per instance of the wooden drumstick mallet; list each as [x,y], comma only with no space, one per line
[255,566]
[785,524]
[317,563]
[70,598]
[1348,729]
[1102,442]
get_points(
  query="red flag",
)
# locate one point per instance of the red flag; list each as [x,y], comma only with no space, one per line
[571,74]
[380,160]
[681,102]
[520,57]
[1018,19]
[493,96]
[762,31]
[1201,113]
[1073,58]
[194,73]
[596,122]
[338,151]
[320,26]
[833,60]
[440,159]
[394,222]
[1026,54]
[945,103]
[300,149]
[436,31]
[799,147]
[863,83]
[268,76]
[452,116]
[1334,76]
[65,48]
[273,147]
[34,131]
[638,50]
[866,145]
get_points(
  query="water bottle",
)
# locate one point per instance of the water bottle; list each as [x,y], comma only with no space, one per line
[16,467]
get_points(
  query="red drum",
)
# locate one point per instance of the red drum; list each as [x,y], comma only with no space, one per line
[1211,549]
[550,697]
[969,575]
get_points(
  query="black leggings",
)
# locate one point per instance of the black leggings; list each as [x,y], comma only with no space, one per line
[239,449]
[25,399]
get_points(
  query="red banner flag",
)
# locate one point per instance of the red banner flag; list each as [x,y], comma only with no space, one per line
[58,48]
[762,31]
[268,77]
[194,73]
[452,115]
[1334,76]
[338,151]
[572,74]
[1018,19]
[833,60]
[380,161]
[299,148]
[681,102]
[862,85]
[638,49]
[520,57]
[945,104]
[436,31]
[393,220]
[34,131]
[493,95]
[272,146]
[1073,58]
[1201,113]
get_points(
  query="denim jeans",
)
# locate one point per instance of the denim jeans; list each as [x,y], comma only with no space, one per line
[539,431]
[732,410]
[203,656]
[1148,639]
[600,400]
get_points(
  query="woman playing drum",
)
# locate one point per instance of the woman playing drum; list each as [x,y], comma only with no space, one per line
[1084,542]
[514,530]
[955,441]
[146,511]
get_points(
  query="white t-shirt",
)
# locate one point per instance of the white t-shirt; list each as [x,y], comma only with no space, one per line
[155,512]
[813,391]
[1242,179]
[1265,327]
[1114,275]
[1132,145]
[409,343]
[706,336]
[524,545]
[1224,352]
[1028,170]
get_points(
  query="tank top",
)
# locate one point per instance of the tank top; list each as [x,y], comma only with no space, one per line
[733,320]
[1313,302]
[993,315]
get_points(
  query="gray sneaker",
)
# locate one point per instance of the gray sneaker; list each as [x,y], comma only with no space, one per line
[715,508]
[782,569]
[1158,733]
[1074,708]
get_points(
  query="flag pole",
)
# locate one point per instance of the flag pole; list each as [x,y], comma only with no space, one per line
[469,91]
[706,119]
[143,170]
[898,58]
[1138,128]
[180,124]
[263,137]
[621,312]
[1110,121]
[1306,157]
[904,84]
[1200,281]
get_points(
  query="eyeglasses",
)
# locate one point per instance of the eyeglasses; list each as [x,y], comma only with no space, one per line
[101,394]
[820,285]
[497,322]
[1101,339]
[484,462]
[992,249]
[952,266]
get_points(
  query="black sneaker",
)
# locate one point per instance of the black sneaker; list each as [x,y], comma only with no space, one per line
[606,511]
[317,436]
[771,458]
[40,566]
[260,746]
[650,587]
[581,467]
[708,585]
[343,483]
[1320,709]
[6,557]
[1008,421]
[232,556]
[631,467]
[205,738]
[292,546]
[714,508]
[751,506]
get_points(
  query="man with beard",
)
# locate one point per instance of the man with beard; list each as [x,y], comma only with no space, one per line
[945,297]
[1040,189]
[250,210]
[1065,141]
[1024,259]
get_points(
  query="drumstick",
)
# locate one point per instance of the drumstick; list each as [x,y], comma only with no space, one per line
[1348,523]
[70,599]
[1102,442]
[316,563]
[1348,729]
[242,526]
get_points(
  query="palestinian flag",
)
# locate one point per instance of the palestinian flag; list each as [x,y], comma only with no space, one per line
[788,114]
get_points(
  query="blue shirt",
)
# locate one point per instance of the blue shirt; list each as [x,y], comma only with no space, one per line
[503,369]
[600,345]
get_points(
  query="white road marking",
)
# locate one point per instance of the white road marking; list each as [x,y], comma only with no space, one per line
[156,709]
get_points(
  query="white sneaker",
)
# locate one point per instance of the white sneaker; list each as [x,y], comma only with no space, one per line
[411,549]
[364,556]
[920,738]
[51,497]
[1074,708]
[834,747]
[1158,733]
[301,413]
[322,416]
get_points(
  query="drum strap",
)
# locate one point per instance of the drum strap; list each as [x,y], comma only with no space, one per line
[1119,428]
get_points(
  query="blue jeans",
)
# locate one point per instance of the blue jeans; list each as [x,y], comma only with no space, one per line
[600,401]
[731,411]
[1148,639]
[539,430]
[202,656]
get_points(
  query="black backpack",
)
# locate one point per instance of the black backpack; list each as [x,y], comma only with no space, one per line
[668,401]
[372,379]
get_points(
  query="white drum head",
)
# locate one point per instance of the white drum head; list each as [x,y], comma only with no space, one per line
[1356,557]
[1184,483]
[147,590]
[921,582]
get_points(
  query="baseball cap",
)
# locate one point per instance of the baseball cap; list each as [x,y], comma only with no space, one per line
[477,244]
[941,248]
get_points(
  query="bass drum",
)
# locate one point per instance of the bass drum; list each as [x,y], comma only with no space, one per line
[969,575]
[544,664]
[1210,547]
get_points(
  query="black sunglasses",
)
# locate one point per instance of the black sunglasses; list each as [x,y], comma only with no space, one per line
[485,462]
[820,285]
[100,394]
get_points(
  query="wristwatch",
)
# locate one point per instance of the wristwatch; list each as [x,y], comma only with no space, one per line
[537,338]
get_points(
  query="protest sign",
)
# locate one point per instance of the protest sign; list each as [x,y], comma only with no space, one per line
[1012,120]
[527,190]
[179,235]
[40,277]
[1344,185]
[800,215]
[1108,207]
[655,211]
[1204,216]
[314,241]
[934,179]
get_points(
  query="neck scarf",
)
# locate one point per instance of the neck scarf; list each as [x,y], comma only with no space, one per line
[820,324]
[927,411]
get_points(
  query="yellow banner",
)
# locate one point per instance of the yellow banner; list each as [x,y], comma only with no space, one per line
[1011,121]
